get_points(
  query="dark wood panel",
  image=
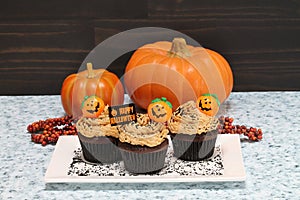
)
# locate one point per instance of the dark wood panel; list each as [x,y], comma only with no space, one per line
[182,9]
[36,76]
[41,42]
[30,87]
[219,9]
[36,56]
[230,34]
[205,29]
[267,79]
[260,52]
[46,34]
[74,9]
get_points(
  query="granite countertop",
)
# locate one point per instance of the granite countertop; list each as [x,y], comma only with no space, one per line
[272,165]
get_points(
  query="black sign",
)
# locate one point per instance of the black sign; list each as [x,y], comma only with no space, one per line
[122,114]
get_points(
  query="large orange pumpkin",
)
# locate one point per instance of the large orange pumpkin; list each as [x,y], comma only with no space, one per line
[99,82]
[177,71]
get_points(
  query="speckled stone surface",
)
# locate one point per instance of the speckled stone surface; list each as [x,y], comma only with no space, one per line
[272,165]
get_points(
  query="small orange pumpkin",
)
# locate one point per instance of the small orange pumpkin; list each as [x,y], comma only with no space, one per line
[177,71]
[208,104]
[92,106]
[160,110]
[99,82]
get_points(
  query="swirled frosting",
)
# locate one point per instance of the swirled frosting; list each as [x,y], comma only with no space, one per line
[143,132]
[187,119]
[94,127]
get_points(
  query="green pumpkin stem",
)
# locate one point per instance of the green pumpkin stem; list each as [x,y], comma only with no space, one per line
[164,99]
[84,99]
[214,96]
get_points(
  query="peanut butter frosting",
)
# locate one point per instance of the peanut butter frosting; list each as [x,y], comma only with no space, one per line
[143,132]
[187,119]
[94,127]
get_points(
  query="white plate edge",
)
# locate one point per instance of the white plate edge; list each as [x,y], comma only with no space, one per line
[230,145]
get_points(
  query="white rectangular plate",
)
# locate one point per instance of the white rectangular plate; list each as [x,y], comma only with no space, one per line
[64,151]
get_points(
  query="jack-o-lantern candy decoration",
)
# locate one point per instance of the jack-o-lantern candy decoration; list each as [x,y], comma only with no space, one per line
[92,106]
[160,110]
[208,104]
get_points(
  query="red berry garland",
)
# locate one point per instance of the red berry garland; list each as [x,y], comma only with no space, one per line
[226,127]
[48,131]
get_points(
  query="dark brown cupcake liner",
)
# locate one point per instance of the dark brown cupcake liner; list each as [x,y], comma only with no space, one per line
[142,159]
[194,147]
[103,149]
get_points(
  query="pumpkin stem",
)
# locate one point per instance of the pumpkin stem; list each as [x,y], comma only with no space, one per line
[90,70]
[179,48]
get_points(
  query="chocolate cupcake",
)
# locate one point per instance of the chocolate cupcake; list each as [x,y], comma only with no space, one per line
[98,139]
[143,145]
[192,132]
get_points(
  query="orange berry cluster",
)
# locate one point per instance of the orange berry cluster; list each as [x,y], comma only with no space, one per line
[226,127]
[48,131]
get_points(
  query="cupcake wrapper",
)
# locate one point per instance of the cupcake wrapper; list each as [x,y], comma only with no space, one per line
[101,153]
[149,162]
[193,150]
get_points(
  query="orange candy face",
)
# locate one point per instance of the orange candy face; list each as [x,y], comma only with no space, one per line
[208,104]
[160,110]
[92,106]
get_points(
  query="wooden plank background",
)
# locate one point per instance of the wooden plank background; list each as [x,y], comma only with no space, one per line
[41,42]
